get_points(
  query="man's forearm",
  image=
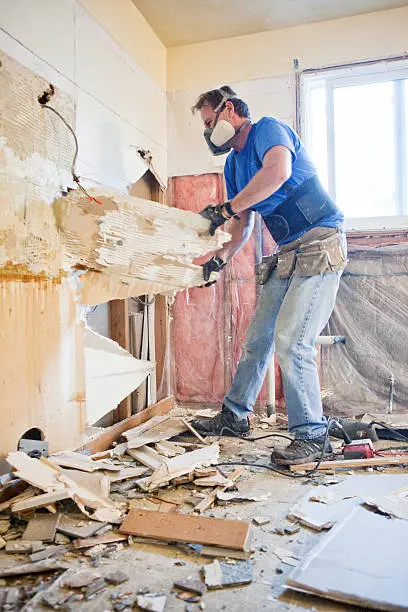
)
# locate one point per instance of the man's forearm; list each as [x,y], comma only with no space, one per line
[240,230]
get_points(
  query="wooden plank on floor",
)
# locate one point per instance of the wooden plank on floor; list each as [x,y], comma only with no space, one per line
[186,528]
[105,440]
[42,527]
[349,464]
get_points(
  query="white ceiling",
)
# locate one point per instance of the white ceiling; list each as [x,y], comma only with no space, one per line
[183,22]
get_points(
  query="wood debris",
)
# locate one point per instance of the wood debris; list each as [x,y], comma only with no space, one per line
[147,456]
[42,527]
[182,464]
[186,528]
[77,461]
[163,428]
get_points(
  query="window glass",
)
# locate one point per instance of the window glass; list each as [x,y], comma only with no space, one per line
[364,147]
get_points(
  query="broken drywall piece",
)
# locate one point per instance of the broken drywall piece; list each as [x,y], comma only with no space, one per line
[111,374]
[155,602]
[219,575]
[182,464]
[395,504]
[342,498]
[345,565]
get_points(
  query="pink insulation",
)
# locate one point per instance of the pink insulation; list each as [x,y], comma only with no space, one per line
[210,324]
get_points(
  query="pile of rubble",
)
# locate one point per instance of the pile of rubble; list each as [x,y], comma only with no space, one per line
[72,508]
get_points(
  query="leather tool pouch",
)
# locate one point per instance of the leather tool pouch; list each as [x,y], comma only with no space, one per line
[319,256]
[264,269]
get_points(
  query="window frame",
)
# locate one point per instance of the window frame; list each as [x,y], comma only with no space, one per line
[395,70]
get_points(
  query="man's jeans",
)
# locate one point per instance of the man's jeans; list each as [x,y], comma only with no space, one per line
[290,315]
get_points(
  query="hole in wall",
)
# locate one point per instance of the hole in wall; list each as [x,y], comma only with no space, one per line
[32,434]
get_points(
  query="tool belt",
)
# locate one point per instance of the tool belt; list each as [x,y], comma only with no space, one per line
[305,205]
[319,250]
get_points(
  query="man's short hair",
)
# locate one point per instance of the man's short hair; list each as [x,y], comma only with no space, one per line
[214,97]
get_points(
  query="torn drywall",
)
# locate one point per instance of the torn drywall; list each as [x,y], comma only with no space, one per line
[111,374]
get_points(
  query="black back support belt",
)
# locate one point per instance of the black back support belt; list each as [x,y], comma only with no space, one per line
[305,206]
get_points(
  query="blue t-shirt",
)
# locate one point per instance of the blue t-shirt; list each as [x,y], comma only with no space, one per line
[240,167]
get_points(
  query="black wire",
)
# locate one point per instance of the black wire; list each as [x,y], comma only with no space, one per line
[65,122]
[271,467]
[394,431]
[75,177]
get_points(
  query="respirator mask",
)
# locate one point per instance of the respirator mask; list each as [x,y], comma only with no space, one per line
[218,136]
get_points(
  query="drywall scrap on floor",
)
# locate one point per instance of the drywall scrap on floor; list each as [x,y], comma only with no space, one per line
[136,241]
[111,373]
[360,561]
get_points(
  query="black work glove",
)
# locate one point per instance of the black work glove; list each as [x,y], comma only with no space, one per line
[218,215]
[214,265]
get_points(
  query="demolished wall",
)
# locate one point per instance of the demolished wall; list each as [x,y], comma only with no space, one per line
[47,251]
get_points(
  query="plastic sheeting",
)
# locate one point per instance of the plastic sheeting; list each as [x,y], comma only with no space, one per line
[372,312]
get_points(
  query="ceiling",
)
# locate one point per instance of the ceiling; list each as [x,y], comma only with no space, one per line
[183,22]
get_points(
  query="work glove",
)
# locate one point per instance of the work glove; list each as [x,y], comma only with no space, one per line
[218,215]
[211,270]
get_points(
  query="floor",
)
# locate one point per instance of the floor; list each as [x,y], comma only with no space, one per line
[155,568]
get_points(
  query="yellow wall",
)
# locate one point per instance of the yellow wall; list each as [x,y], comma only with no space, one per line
[269,54]
[129,28]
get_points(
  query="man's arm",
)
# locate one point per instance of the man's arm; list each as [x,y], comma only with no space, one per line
[240,230]
[276,169]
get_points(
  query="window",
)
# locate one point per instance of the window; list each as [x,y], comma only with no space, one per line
[355,125]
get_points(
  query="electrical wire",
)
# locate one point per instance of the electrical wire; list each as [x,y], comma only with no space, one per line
[43,99]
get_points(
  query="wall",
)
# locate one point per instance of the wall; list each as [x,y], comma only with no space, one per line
[260,66]
[118,89]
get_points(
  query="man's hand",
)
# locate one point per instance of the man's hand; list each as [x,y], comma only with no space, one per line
[211,270]
[218,215]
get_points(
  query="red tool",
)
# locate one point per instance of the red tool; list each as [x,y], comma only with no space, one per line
[359,449]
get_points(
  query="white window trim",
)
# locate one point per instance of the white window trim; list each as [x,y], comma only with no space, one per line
[361,74]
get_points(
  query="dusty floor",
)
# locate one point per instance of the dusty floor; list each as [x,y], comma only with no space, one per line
[155,567]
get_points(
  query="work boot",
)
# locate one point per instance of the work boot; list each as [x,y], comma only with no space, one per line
[225,423]
[302,451]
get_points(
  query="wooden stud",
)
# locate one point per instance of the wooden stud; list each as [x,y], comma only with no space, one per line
[119,331]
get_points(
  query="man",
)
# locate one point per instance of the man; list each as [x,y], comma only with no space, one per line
[269,171]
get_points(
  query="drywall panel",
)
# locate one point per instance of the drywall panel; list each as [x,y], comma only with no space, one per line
[129,28]
[188,152]
[45,27]
[120,106]
[267,54]
[119,83]
[108,146]
[111,374]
